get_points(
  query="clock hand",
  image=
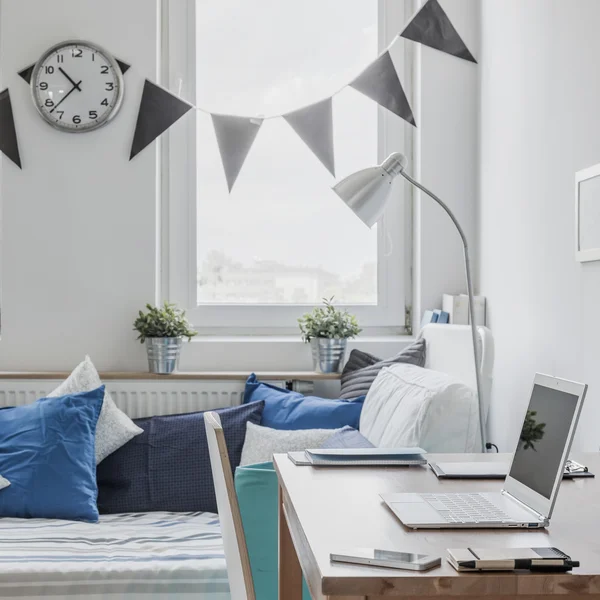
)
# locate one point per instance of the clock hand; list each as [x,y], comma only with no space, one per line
[66,96]
[72,82]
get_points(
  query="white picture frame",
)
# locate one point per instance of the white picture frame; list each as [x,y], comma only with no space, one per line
[587,214]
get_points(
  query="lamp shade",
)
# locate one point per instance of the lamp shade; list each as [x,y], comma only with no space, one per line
[367,191]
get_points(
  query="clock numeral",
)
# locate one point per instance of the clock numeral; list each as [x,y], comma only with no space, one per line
[61,113]
[93,56]
[43,85]
[49,69]
[104,102]
[104,70]
[76,119]
[77,53]
[60,58]
[93,114]
[49,103]
[110,86]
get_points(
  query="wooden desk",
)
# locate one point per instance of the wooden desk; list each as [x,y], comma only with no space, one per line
[323,510]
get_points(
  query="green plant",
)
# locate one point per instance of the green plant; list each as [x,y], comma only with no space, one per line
[166,321]
[328,322]
[532,430]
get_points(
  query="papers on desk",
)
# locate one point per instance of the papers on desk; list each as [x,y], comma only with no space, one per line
[349,457]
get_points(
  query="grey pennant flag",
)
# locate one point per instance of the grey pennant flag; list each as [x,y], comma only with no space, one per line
[235,136]
[432,27]
[314,124]
[380,82]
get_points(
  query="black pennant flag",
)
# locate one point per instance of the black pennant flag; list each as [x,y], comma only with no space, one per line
[380,82]
[27,73]
[8,133]
[432,27]
[159,109]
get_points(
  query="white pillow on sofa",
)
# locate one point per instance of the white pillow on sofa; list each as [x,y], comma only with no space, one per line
[114,428]
[3,483]
[409,406]
[262,442]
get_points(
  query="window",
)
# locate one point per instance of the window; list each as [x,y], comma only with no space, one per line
[281,240]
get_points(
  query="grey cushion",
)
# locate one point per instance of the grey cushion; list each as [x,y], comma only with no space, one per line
[362,368]
[348,437]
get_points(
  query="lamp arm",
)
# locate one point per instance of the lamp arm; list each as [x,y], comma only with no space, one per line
[463,237]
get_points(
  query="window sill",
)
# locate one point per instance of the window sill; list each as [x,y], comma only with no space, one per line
[272,352]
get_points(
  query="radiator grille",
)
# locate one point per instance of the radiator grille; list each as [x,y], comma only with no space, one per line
[141,398]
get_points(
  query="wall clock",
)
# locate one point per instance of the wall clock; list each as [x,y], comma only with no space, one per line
[77,86]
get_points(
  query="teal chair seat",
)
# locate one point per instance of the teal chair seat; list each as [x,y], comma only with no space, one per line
[257,491]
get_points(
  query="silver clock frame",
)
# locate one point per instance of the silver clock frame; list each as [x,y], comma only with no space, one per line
[113,63]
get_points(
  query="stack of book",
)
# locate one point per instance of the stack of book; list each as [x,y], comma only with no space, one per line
[359,457]
[455,310]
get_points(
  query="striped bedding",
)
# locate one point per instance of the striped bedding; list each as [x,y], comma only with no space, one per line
[124,556]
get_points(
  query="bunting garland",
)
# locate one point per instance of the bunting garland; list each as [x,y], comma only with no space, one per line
[160,109]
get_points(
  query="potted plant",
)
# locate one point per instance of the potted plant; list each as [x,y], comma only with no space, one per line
[163,330]
[327,329]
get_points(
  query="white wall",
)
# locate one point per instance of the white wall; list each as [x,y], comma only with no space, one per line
[78,222]
[540,124]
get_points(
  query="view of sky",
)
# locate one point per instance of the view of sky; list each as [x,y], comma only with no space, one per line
[266,57]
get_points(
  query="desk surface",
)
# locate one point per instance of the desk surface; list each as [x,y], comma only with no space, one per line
[332,509]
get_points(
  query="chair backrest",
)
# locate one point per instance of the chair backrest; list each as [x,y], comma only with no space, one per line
[450,350]
[236,553]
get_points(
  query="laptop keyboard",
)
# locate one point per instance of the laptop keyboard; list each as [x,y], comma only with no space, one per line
[466,508]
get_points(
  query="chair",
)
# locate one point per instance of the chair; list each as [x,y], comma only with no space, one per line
[236,552]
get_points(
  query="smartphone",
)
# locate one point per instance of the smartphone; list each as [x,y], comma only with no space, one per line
[387,558]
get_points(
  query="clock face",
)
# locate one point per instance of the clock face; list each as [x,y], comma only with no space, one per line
[77,87]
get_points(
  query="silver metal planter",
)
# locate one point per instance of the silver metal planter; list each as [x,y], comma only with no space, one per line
[328,354]
[163,354]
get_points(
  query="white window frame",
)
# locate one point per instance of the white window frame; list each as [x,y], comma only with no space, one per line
[178,231]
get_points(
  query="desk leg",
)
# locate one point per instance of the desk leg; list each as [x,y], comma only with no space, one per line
[290,574]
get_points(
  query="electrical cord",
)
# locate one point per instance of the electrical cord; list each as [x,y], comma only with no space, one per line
[489,446]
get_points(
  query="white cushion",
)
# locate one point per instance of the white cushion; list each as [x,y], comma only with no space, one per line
[3,482]
[409,406]
[114,428]
[262,442]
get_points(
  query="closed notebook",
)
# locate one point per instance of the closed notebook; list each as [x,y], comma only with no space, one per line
[367,457]
[509,559]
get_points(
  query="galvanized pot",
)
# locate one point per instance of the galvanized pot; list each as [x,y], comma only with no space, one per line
[328,354]
[163,354]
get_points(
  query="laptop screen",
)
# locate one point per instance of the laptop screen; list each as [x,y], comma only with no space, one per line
[543,438]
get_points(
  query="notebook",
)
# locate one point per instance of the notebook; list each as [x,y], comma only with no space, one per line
[494,470]
[509,559]
[352,457]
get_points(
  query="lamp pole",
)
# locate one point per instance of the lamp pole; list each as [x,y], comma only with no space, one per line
[470,293]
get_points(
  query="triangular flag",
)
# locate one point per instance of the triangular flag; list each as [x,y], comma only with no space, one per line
[432,27]
[159,109]
[123,66]
[314,124]
[8,133]
[380,82]
[27,73]
[235,136]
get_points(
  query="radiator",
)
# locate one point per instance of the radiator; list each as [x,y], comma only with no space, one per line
[140,398]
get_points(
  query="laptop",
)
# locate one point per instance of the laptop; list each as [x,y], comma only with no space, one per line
[531,486]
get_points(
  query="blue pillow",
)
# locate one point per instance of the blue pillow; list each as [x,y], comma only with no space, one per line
[167,468]
[285,409]
[47,454]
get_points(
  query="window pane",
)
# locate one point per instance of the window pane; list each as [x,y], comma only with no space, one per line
[282,236]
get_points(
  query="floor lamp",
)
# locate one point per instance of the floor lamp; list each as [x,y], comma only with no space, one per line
[367,191]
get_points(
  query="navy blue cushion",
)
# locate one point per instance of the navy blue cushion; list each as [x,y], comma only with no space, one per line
[167,468]
[47,454]
[285,409]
